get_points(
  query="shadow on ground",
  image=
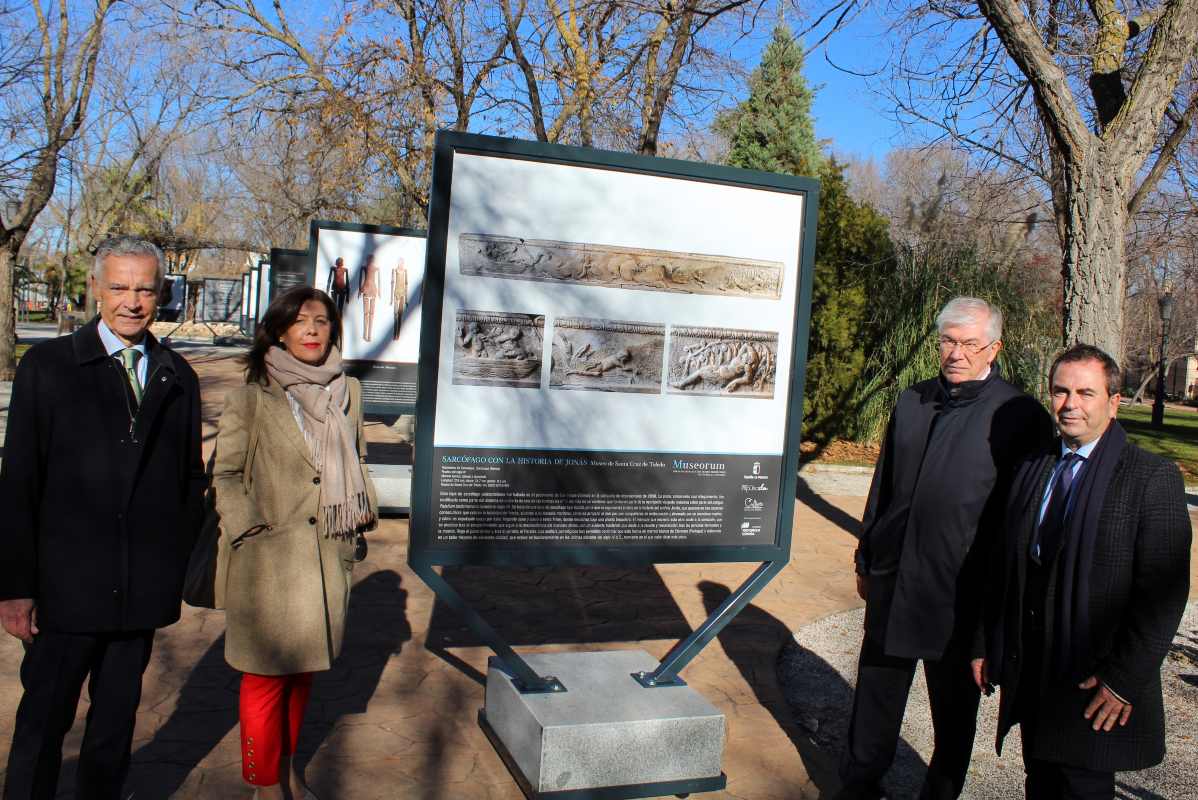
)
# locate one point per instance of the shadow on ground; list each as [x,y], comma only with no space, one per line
[206,710]
[556,605]
[755,641]
[841,519]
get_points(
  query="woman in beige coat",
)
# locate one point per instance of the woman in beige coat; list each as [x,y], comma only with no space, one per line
[294,496]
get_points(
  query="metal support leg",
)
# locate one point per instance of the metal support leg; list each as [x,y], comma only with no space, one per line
[681,654]
[171,332]
[524,678]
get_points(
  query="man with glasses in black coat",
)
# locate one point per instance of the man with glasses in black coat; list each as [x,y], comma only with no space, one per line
[934,508]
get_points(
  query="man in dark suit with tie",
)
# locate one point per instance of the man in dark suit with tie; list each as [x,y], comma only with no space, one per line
[101,488]
[1093,581]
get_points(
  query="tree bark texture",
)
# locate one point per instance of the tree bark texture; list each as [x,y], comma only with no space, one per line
[8,322]
[1092,250]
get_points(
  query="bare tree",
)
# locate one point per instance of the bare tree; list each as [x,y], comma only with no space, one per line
[379,97]
[1163,244]
[611,72]
[43,109]
[1095,102]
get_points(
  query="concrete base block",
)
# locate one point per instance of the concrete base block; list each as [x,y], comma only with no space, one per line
[393,484]
[605,729]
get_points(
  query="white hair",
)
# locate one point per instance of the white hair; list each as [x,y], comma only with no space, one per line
[129,246]
[969,311]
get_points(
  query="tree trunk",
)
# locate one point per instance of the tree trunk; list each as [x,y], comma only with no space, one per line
[1138,397]
[1092,266]
[8,323]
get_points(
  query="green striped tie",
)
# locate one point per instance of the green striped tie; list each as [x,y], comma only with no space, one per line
[130,356]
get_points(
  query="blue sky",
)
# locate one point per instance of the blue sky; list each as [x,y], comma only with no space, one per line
[858,121]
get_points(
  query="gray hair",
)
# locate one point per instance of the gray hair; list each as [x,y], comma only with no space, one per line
[970,310]
[129,246]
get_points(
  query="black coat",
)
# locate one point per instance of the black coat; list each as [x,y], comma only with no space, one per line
[98,524]
[1139,583]
[935,506]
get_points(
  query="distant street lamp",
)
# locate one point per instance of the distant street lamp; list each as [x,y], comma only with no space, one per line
[1158,405]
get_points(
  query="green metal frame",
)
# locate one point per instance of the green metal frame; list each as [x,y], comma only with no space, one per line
[424,555]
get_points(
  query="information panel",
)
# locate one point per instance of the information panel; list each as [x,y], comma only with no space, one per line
[612,358]
[252,312]
[173,298]
[264,284]
[375,274]
[220,300]
[288,267]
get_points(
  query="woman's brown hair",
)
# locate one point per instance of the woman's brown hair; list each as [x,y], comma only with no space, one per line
[280,315]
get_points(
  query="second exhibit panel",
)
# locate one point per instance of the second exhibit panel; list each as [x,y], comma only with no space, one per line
[374,275]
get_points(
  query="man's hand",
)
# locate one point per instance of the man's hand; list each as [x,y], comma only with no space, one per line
[863,587]
[19,618]
[980,677]
[1105,708]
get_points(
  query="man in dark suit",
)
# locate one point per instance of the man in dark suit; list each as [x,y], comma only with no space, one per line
[935,504]
[101,487]
[1093,581]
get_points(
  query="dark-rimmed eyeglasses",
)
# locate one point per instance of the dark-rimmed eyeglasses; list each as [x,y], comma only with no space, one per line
[971,346]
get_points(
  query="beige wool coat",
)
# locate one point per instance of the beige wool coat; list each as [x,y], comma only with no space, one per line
[287,588]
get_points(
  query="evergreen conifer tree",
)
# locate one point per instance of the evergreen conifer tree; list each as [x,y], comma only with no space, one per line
[772,130]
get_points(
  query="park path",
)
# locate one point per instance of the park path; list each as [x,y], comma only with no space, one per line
[396,717]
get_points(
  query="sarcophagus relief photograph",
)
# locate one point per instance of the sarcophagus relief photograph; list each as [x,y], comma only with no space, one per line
[723,362]
[607,355]
[635,268]
[494,348]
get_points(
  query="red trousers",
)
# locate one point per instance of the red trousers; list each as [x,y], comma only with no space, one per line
[271,711]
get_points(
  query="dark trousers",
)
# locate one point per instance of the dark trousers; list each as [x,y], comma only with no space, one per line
[883,683]
[1048,780]
[340,297]
[52,674]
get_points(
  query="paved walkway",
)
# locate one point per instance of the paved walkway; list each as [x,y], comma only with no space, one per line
[396,717]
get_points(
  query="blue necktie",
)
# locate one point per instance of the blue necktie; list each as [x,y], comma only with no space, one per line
[1052,527]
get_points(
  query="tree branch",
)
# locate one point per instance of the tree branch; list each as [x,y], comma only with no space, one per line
[1168,150]
[1047,79]
[1135,128]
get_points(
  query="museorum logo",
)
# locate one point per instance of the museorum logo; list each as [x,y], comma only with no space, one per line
[713,468]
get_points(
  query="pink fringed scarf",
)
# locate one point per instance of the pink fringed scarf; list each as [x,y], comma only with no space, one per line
[323,396]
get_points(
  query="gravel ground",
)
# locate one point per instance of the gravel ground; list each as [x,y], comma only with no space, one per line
[819,670]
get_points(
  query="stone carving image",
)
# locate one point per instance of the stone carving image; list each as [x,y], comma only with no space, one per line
[607,355]
[618,267]
[722,362]
[493,348]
